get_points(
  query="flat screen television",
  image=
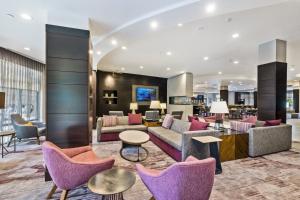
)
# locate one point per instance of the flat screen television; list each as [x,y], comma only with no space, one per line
[145,94]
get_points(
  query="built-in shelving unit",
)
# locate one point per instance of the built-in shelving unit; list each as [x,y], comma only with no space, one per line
[110,96]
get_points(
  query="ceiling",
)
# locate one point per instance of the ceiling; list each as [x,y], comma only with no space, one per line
[201,35]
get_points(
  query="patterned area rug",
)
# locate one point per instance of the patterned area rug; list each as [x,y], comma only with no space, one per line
[273,177]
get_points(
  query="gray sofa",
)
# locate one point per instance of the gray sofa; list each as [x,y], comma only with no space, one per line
[112,133]
[177,141]
[267,140]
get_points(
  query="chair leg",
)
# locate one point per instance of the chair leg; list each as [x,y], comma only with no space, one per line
[53,189]
[38,140]
[64,195]
[11,138]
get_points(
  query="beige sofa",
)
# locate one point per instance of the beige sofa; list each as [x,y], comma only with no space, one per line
[112,133]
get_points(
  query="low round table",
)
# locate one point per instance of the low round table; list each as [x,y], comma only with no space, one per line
[112,183]
[135,139]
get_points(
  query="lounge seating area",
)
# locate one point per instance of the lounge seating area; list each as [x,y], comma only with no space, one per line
[150,100]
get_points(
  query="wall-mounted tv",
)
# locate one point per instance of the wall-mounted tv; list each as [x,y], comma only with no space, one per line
[143,95]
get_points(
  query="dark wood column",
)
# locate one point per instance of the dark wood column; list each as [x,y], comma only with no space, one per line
[272,81]
[67,86]
[296,100]
[224,93]
[255,99]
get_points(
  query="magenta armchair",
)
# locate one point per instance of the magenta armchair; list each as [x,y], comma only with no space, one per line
[72,167]
[189,180]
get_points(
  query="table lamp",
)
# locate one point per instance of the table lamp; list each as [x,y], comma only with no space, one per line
[2,100]
[163,106]
[155,105]
[219,108]
[133,107]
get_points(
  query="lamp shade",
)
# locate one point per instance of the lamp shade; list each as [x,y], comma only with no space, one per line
[219,107]
[155,105]
[133,106]
[163,106]
[2,100]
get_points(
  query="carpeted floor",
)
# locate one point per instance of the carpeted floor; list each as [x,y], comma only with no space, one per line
[272,177]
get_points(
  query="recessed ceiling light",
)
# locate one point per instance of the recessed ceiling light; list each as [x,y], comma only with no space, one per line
[154,24]
[292,69]
[122,68]
[231,81]
[181,72]
[98,52]
[124,47]
[26,16]
[235,35]
[179,24]
[114,42]
[229,19]
[27,48]
[168,53]
[168,69]
[205,58]
[298,75]
[141,67]
[90,51]
[219,73]
[210,8]
[236,62]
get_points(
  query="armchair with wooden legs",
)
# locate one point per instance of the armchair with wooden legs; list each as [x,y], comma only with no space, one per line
[72,167]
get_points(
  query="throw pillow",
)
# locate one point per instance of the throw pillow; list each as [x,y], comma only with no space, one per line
[168,120]
[196,125]
[201,119]
[251,119]
[134,119]
[275,122]
[122,120]
[109,120]
[190,118]
[259,123]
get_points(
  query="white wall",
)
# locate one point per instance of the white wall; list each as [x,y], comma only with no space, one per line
[181,85]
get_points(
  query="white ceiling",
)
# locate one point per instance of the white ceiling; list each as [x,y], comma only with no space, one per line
[201,35]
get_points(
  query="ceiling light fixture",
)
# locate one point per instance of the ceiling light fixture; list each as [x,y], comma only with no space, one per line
[141,67]
[27,48]
[168,53]
[292,69]
[122,68]
[154,24]
[124,47]
[26,16]
[114,42]
[210,8]
[90,51]
[205,58]
[168,69]
[236,62]
[179,24]
[298,75]
[235,35]
[98,52]
[231,81]
[219,73]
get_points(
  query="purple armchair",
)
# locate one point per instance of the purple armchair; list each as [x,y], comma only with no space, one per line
[189,180]
[72,167]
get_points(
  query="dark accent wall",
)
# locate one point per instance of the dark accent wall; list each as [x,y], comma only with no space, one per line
[123,84]
[296,100]
[271,91]
[67,86]
[224,95]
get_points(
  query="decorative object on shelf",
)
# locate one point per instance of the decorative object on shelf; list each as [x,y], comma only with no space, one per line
[133,107]
[2,100]
[163,106]
[110,96]
[219,108]
[106,94]
[155,105]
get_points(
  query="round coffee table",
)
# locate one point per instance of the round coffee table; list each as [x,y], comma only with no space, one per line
[133,138]
[112,183]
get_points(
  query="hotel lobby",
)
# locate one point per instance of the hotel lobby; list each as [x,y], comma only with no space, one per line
[150,100]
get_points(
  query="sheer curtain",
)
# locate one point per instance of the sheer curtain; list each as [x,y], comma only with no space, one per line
[22,79]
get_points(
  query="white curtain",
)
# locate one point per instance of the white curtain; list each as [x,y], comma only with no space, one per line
[21,79]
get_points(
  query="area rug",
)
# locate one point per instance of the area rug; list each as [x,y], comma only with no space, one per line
[275,176]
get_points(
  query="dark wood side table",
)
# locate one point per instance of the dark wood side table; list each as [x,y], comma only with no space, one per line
[112,183]
[213,148]
[3,134]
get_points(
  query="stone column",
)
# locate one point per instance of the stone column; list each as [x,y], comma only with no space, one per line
[224,93]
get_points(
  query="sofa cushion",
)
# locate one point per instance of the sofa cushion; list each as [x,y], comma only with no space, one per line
[168,120]
[196,125]
[113,129]
[250,119]
[171,137]
[139,127]
[259,123]
[109,121]
[134,119]
[275,122]
[180,126]
[122,120]
[240,126]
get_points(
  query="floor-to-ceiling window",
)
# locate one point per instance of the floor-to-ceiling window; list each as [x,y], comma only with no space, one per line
[21,79]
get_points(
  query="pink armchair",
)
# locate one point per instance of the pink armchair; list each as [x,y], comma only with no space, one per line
[72,167]
[192,180]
